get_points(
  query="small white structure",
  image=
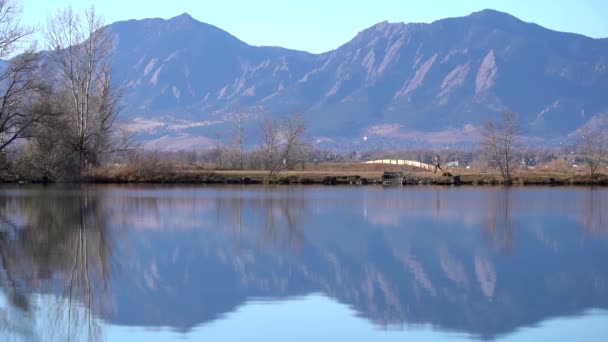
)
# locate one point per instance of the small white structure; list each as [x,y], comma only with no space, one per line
[402,162]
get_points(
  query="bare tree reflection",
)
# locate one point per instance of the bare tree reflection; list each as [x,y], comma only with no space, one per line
[283,221]
[14,317]
[61,248]
[499,229]
[278,218]
[437,202]
[594,218]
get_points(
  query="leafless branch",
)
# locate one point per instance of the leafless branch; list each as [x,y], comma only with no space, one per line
[81,47]
[593,145]
[500,140]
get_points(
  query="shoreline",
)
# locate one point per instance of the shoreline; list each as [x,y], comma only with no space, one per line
[361,178]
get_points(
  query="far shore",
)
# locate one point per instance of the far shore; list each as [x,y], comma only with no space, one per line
[332,174]
[343,175]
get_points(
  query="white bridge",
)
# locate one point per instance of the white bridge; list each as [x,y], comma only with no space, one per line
[403,162]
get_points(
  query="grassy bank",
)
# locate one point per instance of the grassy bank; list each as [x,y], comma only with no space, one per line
[341,176]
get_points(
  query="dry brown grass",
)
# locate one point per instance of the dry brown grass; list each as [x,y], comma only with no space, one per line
[345,173]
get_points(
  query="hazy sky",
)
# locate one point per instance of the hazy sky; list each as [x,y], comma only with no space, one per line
[322,25]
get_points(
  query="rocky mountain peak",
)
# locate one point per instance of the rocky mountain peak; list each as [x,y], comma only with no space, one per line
[426,82]
[183,20]
[492,15]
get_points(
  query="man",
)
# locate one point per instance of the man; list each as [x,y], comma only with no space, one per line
[437,164]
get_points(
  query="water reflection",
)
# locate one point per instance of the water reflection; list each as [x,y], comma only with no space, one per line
[593,213]
[480,261]
[56,243]
[499,226]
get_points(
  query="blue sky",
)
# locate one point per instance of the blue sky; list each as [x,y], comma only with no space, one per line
[322,25]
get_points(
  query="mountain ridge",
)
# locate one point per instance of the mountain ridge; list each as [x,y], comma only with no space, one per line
[400,83]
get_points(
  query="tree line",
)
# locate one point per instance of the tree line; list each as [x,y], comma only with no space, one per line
[502,144]
[282,145]
[57,107]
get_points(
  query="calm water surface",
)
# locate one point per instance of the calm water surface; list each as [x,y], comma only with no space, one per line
[128,263]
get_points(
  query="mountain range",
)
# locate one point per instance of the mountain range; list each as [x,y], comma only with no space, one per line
[396,84]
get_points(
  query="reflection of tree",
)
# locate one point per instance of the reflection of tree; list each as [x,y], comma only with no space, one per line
[499,228]
[437,202]
[278,218]
[283,220]
[63,249]
[593,214]
[13,318]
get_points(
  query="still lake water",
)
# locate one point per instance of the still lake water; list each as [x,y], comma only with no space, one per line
[145,263]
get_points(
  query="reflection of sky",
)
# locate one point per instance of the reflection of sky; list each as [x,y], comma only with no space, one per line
[318,318]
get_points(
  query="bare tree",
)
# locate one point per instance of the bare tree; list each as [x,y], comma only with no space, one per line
[592,145]
[18,89]
[500,142]
[81,47]
[18,83]
[12,33]
[270,135]
[291,131]
[238,140]
[218,149]
[46,154]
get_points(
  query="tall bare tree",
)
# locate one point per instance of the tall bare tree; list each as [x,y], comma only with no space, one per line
[500,140]
[291,131]
[238,140]
[218,150]
[81,47]
[592,144]
[18,83]
[270,136]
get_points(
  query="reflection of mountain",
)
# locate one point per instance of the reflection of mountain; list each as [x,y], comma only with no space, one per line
[510,259]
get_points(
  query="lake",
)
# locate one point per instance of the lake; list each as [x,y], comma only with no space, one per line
[191,263]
